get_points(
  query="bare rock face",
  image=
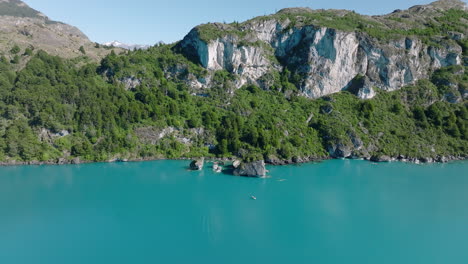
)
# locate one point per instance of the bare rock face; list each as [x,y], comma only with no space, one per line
[326,60]
[380,158]
[197,164]
[251,169]
[236,164]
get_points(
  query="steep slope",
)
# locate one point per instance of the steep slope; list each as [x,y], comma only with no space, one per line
[23,26]
[326,51]
[147,104]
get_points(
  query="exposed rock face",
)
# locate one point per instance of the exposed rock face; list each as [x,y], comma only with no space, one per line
[217,167]
[197,164]
[381,158]
[251,169]
[227,53]
[236,164]
[362,87]
[130,82]
[326,59]
[339,150]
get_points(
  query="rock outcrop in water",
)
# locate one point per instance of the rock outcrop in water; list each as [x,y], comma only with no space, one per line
[325,59]
[251,169]
[197,164]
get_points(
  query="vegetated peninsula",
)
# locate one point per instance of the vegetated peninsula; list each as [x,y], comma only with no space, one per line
[290,87]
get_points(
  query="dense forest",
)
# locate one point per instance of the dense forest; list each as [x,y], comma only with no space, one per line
[129,107]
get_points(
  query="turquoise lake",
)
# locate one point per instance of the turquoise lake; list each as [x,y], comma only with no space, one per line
[338,211]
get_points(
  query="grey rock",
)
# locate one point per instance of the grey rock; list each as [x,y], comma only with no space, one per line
[443,159]
[236,164]
[217,167]
[339,150]
[197,164]
[362,87]
[297,160]
[381,158]
[251,169]
[130,83]
[427,160]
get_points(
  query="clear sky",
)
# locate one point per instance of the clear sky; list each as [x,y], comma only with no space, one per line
[150,21]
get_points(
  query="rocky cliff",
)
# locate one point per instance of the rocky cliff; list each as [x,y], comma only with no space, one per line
[324,51]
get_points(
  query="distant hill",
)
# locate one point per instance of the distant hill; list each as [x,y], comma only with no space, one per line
[26,27]
[121,45]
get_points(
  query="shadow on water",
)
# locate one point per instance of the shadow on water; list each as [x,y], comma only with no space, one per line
[229,170]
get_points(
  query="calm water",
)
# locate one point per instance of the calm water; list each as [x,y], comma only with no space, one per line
[158,212]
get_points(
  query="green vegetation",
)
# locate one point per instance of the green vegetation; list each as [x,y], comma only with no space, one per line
[212,31]
[15,50]
[16,59]
[28,52]
[82,50]
[129,106]
[384,28]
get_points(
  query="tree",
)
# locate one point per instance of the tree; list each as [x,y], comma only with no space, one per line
[397,108]
[367,108]
[435,115]
[3,60]
[28,52]
[420,116]
[82,50]
[223,147]
[16,59]
[15,50]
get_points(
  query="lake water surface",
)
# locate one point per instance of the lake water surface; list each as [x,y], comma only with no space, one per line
[338,211]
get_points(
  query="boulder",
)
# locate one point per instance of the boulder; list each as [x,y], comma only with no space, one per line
[197,164]
[251,169]
[217,168]
[427,160]
[339,150]
[442,159]
[236,164]
[380,158]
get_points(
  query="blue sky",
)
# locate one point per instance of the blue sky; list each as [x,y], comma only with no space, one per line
[150,21]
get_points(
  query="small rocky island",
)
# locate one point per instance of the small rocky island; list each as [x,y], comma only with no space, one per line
[251,169]
[238,168]
[197,164]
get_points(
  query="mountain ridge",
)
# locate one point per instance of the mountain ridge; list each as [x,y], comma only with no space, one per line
[23,26]
[119,44]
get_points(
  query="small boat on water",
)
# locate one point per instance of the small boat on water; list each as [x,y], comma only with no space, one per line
[253,197]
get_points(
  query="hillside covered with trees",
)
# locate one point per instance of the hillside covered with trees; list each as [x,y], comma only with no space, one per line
[55,109]
[233,91]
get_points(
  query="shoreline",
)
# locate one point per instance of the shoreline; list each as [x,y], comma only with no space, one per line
[294,161]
